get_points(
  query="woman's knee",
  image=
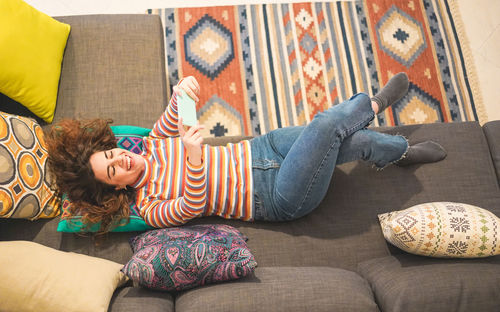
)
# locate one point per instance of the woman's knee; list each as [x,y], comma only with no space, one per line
[337,114]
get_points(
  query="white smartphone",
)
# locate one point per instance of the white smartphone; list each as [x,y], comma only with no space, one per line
[186,107]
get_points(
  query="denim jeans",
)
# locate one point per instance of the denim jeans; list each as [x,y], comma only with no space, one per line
[293,166]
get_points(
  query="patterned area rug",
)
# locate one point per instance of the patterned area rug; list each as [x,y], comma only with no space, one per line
[263,67]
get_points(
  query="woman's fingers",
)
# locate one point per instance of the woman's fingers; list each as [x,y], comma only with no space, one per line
[196,86]
[192,134]
[199,140]
[191,93]
[196,136]
[180,128]
[196,139]
[193,83]
[191,87]
[195,129]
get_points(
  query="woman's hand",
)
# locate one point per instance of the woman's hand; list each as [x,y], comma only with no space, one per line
[190,86]
[192,141]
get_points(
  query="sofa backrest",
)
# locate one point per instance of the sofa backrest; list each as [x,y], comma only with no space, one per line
[113,67]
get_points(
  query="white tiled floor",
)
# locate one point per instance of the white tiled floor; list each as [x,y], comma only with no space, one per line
[480,18]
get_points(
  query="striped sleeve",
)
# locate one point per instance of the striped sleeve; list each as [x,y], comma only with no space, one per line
[175,212]
[195,192]
[166,126]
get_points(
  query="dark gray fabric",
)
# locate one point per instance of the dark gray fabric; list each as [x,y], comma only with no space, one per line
[113,246]
[344,230]
[113,67]
[492,132]
[284,289]
[411,283]
[8,105]
[135,299]
[44,232]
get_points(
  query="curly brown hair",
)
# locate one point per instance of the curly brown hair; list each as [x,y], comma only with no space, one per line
[70,144]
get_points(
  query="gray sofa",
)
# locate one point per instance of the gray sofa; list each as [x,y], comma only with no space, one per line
[335,259]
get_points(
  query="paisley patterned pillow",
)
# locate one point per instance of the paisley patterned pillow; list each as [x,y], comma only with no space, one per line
[180,258]
[443,229]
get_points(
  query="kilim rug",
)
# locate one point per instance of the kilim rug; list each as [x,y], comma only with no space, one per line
[262,67]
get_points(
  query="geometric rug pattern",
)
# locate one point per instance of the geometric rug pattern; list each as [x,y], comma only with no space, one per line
[267,66]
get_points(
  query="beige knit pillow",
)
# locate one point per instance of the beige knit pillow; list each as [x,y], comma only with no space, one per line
[443,229]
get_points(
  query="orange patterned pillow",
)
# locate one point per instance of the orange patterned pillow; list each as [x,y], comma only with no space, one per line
[25,191]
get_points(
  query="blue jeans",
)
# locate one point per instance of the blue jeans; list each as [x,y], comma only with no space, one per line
[292,167]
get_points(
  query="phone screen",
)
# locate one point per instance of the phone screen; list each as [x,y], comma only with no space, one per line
[187,109]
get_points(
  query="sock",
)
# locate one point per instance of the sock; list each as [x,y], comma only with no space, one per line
[425,152]
[395,89]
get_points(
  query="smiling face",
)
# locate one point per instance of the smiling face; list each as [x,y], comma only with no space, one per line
[117,167]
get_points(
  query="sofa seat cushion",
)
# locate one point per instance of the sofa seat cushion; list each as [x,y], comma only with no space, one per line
[413,283]
[133,299]
[344,229]
[284,289]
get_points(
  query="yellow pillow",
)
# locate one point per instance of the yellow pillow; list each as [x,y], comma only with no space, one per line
[31,51]
[38,278]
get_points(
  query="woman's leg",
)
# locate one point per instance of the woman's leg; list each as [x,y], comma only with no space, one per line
[378,148]
[294,183]
[305,173]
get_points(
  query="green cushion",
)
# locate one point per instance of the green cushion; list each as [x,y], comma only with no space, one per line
[130,138]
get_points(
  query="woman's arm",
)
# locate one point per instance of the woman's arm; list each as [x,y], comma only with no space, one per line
[166,126]
[192,140]
[167,213]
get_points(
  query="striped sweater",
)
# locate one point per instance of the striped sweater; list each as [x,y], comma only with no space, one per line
[171,191]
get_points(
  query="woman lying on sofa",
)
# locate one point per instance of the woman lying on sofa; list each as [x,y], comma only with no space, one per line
[282,175]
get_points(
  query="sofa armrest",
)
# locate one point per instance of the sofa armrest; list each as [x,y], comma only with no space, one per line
[113,67]
[492,132]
